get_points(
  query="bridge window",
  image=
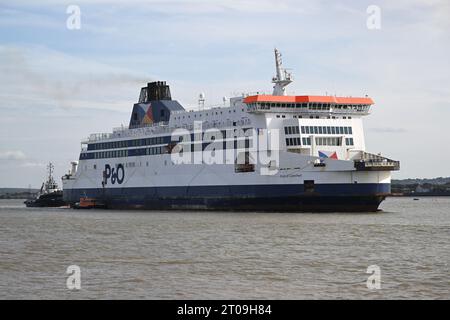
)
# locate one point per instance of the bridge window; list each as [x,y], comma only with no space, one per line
[306,141]
[349,141]
[328,141]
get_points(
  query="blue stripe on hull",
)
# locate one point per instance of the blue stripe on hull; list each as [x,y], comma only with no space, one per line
[326,197]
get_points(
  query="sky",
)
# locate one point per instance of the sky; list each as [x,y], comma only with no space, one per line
[59,84]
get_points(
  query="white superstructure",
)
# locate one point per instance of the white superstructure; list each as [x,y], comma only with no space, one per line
[313,158]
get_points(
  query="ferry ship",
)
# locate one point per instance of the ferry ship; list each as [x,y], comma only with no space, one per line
[258,152]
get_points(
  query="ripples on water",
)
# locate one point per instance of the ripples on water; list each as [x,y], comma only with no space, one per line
[188,255]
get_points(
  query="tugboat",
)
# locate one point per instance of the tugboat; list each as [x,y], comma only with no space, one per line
[50,195]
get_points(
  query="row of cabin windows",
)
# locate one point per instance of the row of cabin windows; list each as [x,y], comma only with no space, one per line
[241,144]
[326,130]
[313,117]
[145,141]
[310,106]
[320,141]
[292,141]
[123,153]
[129,143]
[291,130]
[328,141]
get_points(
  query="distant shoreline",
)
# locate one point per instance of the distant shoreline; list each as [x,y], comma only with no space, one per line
[17,193]
[11,197]
[425,194]
[435,187]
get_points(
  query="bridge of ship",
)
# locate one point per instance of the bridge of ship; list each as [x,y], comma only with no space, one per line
[271,103]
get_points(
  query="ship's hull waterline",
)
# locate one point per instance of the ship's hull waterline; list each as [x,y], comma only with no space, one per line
[275,198]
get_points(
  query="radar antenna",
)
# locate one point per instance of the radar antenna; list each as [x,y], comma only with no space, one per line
[283,77]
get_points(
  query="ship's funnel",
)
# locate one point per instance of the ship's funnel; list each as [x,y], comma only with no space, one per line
[157,90]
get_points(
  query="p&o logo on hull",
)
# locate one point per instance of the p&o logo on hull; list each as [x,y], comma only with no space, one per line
[116,174]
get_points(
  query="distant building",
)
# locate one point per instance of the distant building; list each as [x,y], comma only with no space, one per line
[421,189]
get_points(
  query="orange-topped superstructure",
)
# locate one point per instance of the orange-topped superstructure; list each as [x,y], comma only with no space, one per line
[304,99]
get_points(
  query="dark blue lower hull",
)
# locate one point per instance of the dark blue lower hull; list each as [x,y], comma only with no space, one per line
[297,198]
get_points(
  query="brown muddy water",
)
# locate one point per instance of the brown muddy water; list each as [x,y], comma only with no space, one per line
[213,255]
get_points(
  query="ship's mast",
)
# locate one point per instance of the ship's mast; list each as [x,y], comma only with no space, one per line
[283,77]
[50,183]
[50,168]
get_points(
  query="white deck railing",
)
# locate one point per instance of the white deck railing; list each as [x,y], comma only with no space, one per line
[160,128]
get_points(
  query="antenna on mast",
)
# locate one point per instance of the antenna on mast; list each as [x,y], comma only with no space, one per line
[50,168]
[201,101]
[283,77]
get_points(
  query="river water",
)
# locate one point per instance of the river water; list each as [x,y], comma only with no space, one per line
[213,255]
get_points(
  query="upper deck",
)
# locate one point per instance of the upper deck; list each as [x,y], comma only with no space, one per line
[156,113]
[309,104]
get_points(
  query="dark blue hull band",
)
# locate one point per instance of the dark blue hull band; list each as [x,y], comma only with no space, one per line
[323,197]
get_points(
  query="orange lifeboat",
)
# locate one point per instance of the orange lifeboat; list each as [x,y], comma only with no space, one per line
[89,203]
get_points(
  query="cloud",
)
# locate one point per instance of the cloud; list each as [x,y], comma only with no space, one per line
[9,18]
[19,159]
[191,6]
[12,155]
[30,164]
